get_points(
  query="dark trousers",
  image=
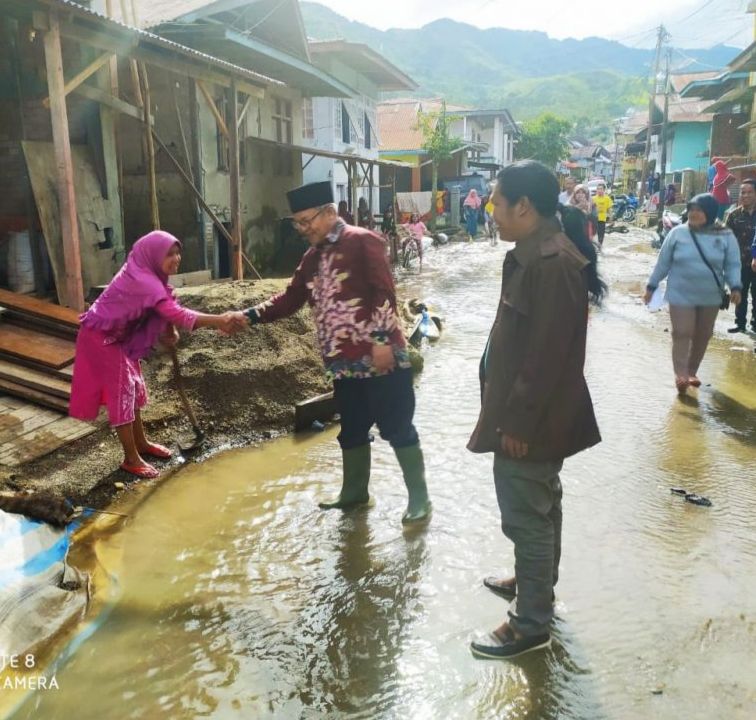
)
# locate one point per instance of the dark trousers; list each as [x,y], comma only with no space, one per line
[530,501]
[748,278]
[386,400]
[601,229]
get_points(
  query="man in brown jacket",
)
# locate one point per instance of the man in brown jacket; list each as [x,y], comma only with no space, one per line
[536,409]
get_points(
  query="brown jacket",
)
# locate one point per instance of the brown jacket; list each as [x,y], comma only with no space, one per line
[533,386]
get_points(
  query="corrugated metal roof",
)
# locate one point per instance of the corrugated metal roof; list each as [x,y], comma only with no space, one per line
[679,80]
[161,41]
[366,61]
[685,110]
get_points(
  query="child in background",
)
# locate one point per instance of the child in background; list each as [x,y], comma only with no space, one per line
[135,311]
[490,224]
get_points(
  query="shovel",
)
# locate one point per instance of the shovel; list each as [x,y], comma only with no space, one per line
[186,444]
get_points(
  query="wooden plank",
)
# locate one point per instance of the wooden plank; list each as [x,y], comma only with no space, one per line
[105,98]
[15,424]
[74,289]
[41,398]
[321,407]
[35,380]
[39,308]
[44,440]
[81,76]
[27,344]
[49,327]
[64,373]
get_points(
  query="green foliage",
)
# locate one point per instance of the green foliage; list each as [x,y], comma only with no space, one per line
[544,139]
[439,144]
[437,141]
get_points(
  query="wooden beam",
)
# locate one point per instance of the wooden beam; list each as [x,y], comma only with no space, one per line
[237,270]
[243,112]
[151,173]
[105,98]
[81,76]
[220,122]
[69,222]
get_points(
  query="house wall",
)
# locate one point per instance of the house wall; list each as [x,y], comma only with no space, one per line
[689,147]
[328,132]
[264,181]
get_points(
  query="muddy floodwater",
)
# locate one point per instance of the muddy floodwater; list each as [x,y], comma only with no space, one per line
[232,596]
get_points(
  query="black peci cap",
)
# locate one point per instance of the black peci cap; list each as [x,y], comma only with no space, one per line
[312,195]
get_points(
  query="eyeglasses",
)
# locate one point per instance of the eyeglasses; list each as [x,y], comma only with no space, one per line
[305,224]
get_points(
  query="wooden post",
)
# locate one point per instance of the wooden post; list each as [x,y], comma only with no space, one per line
[73,293]
[237,270]
[151,174]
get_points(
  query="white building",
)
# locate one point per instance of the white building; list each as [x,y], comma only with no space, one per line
[349,126]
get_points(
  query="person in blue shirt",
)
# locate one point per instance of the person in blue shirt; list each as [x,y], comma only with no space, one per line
[693,293]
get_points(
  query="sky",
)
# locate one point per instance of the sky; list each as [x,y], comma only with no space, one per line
[692,23]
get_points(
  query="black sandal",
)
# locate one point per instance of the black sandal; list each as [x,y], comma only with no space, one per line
[508,592]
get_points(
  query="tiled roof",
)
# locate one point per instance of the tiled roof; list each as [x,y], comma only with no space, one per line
[397,121]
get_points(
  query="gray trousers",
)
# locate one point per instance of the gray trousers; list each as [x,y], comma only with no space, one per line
[530,501]
[692,328]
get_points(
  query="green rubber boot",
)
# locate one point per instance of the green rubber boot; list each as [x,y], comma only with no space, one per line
[354,488]
[413,468]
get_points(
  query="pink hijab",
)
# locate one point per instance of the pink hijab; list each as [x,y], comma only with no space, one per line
[473,199]
[125,310]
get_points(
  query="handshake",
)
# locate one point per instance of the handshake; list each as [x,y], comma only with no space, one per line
[232,322]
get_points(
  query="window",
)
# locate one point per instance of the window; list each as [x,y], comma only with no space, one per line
[346,135]
[282,121]
[368,132]
[341,192]
[308,122]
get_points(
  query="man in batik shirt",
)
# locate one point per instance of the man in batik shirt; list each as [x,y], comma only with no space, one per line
[346,279]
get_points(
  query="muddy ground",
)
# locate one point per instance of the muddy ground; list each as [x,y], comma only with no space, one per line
[243,389]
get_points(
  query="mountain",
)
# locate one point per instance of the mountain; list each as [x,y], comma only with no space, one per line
[527,72]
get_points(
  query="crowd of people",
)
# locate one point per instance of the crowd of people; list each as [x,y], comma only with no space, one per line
[536,409]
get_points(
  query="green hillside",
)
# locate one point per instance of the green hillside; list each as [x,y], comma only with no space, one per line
[592,80]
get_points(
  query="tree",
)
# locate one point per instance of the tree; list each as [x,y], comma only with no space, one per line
[439,145]
[544,139]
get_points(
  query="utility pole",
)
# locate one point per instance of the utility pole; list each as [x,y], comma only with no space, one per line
[661,36]
[663,136]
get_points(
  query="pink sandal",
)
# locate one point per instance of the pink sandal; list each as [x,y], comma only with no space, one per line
[694,381]
[143,470]
[157,451]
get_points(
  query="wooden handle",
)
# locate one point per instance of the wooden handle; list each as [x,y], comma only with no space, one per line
[180,387]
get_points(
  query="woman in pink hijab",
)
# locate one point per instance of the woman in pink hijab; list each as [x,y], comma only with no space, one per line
[136,310]
[472,206]
[722,178]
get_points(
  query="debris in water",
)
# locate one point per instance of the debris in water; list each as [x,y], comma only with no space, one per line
[698,500]
[317,426]
[691,497]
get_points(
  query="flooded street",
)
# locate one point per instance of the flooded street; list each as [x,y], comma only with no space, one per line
[233,596]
